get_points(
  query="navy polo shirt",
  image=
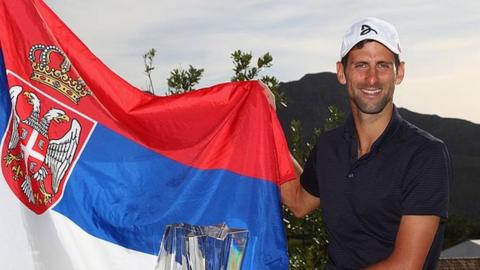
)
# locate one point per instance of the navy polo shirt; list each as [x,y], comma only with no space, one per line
[407,172]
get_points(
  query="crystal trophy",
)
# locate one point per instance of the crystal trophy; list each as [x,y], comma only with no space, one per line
[192,247]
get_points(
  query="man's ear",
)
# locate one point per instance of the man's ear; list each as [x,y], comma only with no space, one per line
[341,73]
[400,73]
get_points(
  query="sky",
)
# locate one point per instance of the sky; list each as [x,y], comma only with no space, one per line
[440,41]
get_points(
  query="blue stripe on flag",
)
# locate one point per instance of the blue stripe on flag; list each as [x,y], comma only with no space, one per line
[124,193]
[5,103]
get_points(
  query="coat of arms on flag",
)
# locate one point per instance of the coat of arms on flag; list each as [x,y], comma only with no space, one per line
[44,137]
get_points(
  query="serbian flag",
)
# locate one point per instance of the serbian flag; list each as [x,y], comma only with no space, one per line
[93,169]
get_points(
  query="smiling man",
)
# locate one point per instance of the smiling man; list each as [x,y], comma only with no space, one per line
[382,183]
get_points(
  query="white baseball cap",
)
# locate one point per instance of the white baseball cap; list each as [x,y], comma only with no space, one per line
[371,28]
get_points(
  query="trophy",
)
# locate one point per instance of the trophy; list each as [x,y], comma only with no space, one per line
[192,247]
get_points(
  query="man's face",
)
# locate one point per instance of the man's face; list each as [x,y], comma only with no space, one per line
[370,76]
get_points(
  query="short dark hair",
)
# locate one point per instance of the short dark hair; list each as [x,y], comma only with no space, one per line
[360,45]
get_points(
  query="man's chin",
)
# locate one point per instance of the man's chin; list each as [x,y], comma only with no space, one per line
[370,108]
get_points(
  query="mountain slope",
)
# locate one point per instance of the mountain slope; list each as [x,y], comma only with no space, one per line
[308,101]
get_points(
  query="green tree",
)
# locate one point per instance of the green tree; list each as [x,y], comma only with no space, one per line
[179,81]
[307,239]
[244,71]
[336,117]
[149,67]
[459,229]
[182,81]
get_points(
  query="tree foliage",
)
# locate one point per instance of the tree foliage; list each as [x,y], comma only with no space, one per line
[149,67]
[244,71]
[307,238]
[459,229]
[182,81]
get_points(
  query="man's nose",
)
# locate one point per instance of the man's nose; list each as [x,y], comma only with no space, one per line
[372,76]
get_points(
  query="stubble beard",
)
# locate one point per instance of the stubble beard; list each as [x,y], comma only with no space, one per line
[364,106]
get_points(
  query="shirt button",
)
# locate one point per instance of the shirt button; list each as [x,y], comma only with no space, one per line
[350,175]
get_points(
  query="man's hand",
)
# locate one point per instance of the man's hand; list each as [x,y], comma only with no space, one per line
[294,196]
[269,94]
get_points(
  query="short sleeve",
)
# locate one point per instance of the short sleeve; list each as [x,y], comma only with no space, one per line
[308,179]
[426,183]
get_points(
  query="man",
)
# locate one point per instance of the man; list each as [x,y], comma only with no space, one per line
[382,183]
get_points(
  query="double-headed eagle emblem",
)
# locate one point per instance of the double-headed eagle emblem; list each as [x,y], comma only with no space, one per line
[38,163]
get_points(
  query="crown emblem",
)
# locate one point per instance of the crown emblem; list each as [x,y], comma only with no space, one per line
[52,68]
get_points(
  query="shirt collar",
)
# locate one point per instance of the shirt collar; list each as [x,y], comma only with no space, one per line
[392,127]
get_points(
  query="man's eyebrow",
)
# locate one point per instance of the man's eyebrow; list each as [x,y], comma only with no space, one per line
[382,62]
[360,62]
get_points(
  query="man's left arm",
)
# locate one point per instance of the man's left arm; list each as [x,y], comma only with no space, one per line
[424,205]
[414,239]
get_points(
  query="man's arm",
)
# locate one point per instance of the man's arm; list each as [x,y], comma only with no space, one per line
[295,197]
[414,239]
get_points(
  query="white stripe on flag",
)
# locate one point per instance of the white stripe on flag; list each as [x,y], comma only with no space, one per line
[53,242]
